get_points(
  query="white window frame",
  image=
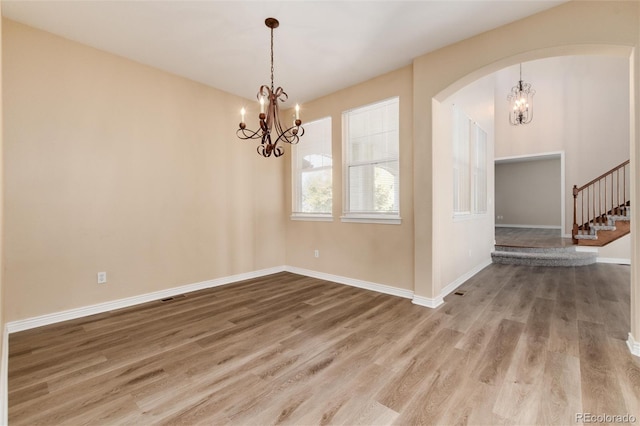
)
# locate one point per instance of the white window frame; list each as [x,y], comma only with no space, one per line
[470,198]
[461,162]
[296,176]
[479,172]
[369,217]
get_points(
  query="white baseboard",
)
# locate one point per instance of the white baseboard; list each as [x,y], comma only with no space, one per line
[428,302]
[56,317]
[449,288]
[634,346]
[619,261]
[586,249]
[594,249]
[367,285]
[505,225]
[29,323]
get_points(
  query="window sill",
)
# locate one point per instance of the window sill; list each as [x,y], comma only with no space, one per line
[309,217]
[383,219]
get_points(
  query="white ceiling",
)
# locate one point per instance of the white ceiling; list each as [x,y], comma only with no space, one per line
[320,46]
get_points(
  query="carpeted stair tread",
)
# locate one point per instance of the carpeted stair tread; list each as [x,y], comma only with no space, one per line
[568,249]
[551,256]
[592,233]
[586,237]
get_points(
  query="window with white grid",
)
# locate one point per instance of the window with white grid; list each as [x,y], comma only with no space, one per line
[371,171]
[469,166]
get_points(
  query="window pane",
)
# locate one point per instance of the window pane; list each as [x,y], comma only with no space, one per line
[480,172]
[372,151]
[374,188]
[461,176]
[316,191]
[312,169]
[469,165]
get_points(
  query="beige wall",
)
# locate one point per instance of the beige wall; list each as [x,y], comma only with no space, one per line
[617,251]
[528,193]
[604,28]
[114,166]
[378,253]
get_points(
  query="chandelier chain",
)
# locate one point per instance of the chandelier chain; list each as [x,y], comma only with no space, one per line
[272,59]
[520,72]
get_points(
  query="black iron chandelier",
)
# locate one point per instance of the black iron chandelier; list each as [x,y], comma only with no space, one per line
[271,131]
[521,102]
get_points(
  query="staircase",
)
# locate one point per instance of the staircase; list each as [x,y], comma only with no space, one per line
[601,214]
[602,209]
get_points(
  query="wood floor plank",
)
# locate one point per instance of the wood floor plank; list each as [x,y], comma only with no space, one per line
[495,361]
[628,373]
[601,391]
[526,293]
[523,345]
[551,280]
[430,405]
[473,405]
[561,398]
[342,404]
[420,371]
[563,332]
[587,302]
[521,390]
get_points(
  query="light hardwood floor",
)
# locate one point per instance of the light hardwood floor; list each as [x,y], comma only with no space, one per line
[530,237]
[523,345]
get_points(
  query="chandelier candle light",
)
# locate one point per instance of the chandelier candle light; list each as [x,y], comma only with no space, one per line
[521,101]
[270,125]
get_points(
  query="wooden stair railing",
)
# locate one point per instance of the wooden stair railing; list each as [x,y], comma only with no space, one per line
[594,202]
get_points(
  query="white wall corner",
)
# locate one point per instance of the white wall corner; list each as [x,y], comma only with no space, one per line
[449,288]
[634,346]
[427,302]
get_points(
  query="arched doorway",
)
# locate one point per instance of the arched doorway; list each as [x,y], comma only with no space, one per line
[436,287]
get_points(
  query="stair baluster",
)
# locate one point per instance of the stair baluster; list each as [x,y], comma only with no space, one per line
[594,202]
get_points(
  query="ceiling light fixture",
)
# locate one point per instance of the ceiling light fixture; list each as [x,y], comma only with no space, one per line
[270,120]
[521,102]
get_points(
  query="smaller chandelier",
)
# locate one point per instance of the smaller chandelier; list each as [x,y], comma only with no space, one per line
[521,102]
[271,131]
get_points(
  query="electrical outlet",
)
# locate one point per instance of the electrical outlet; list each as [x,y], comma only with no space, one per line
[316,253]
[102,277]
